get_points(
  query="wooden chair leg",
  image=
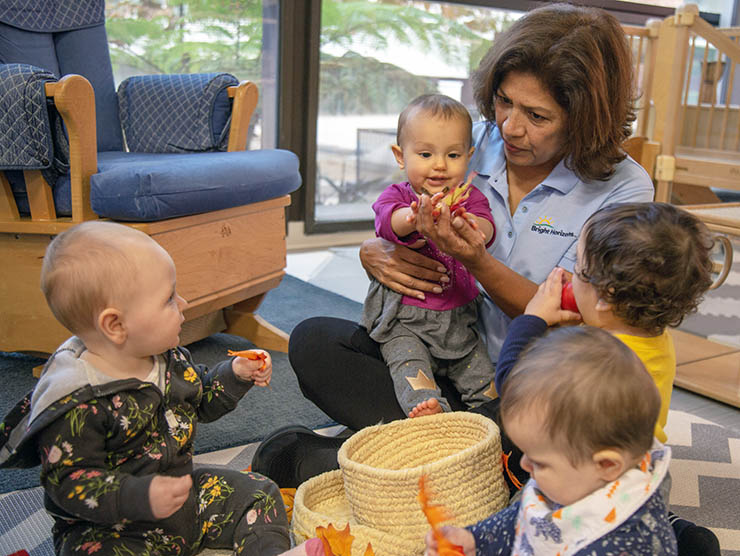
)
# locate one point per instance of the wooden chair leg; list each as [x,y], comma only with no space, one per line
[8,207]
[242,321]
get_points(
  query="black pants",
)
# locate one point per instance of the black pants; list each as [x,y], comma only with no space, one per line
[340,369]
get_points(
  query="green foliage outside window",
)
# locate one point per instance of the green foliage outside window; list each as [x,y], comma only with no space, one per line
[192,36]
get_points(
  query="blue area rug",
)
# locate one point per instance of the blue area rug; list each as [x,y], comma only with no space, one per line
[261,411]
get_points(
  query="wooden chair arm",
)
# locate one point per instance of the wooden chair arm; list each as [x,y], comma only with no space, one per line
[245,97]
[723,268]
[643,151]
[75,100]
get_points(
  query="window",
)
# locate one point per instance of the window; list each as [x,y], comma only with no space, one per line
[191,36]
[374,58]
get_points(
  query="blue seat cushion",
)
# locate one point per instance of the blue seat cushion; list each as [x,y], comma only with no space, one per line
[145,187]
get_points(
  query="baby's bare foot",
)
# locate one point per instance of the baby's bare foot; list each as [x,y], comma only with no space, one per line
[427,407]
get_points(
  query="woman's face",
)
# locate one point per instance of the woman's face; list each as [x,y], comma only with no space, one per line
[532,124]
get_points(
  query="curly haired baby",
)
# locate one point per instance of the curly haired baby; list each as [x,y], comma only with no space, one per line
[640,269]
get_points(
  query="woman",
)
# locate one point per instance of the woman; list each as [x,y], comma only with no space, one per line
[557,96]
[556,92]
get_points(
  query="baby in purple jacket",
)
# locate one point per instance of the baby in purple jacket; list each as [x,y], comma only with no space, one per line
[435,335]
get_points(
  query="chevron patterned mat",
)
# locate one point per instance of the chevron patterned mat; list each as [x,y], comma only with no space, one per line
[705,473]
[705,470]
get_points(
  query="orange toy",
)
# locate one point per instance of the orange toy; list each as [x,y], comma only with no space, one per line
[250,354]
[436,515]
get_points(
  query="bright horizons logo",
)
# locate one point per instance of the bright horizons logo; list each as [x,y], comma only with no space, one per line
[544,225]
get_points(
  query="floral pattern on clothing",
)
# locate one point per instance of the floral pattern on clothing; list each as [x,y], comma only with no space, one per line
[156,542]
[95,446]
[264,508]
[214,489]
[57,457]
[101,444]
[214,391]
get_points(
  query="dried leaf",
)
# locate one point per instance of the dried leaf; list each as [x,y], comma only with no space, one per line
[456,196]
[436,515]
[288,496]
[336,542]
[250,354]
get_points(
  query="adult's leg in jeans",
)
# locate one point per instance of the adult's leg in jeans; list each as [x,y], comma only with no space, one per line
[340,369]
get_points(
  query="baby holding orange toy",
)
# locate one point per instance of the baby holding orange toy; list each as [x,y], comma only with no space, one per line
[433,334]
[113,416]
[582,408]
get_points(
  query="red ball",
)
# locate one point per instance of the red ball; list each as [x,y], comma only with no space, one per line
[568,300]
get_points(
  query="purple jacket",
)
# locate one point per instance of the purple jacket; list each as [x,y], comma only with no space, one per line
[461,289]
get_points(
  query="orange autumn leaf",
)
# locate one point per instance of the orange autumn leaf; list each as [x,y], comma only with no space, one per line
[369,550]
[250,354]
[336,542]
[436,515]
[288,496]
[455,197]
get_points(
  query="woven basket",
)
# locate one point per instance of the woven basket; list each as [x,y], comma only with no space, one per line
[458,452]
[321,501]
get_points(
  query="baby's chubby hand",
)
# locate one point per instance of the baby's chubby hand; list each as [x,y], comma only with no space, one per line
[546,302]
[456,535]
[168,494]
[259,371]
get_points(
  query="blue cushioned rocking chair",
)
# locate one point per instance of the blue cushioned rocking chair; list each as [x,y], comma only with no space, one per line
[150,155]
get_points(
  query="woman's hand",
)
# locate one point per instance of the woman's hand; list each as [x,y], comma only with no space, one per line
[401,269]
[453,235]
[546,302]
[456,535]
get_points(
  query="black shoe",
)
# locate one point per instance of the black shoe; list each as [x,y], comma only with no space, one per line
[294,454]
[692,539]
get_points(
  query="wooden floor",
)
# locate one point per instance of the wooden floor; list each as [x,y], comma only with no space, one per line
[708,368]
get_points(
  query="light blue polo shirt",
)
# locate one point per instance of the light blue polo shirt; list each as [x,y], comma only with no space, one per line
[543,232]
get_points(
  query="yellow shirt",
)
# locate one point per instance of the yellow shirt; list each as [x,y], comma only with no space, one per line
[659,357]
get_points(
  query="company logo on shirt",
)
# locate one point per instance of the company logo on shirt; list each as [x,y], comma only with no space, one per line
[544,225]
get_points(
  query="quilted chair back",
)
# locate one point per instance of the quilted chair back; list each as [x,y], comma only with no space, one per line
[64,38]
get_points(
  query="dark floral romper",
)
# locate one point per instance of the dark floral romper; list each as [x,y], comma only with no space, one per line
[100,446]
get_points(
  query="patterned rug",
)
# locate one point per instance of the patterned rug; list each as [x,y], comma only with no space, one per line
[705,473]
[705,470]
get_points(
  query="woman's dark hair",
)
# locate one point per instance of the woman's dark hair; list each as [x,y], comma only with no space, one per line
[581,56]
[650,261]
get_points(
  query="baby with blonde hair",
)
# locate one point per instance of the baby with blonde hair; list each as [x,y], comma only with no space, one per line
[113,417]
